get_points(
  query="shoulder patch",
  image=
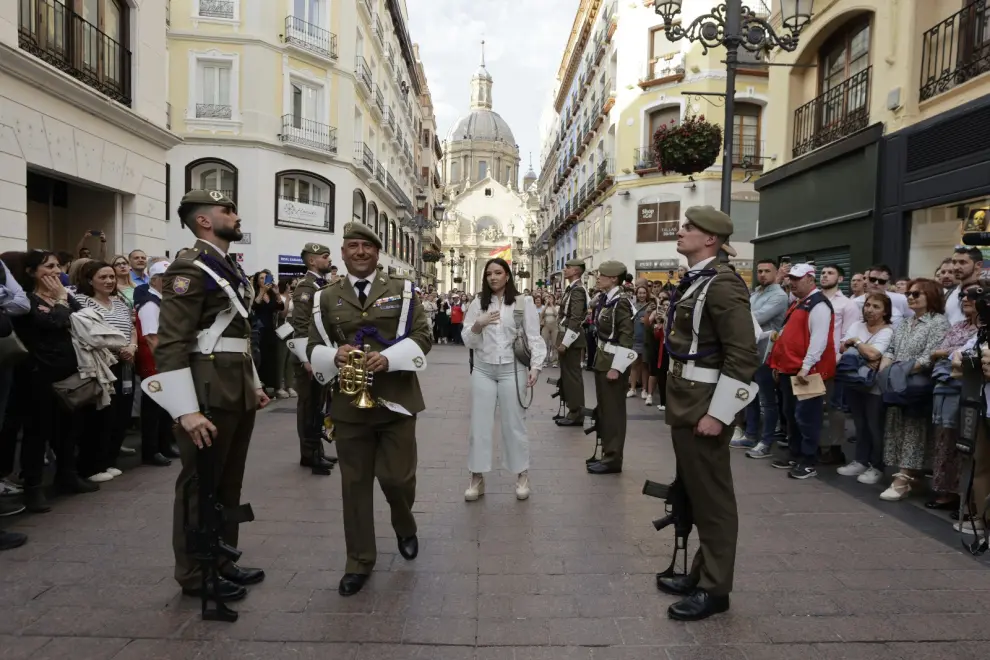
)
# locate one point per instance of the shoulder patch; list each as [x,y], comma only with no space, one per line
[180,285]
[304,297]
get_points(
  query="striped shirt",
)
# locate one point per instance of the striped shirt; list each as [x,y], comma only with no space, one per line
[118,316]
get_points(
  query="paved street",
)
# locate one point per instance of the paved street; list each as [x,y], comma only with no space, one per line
[567,575]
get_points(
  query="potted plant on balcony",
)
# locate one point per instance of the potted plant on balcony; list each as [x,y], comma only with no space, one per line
[688,148]
[431,256]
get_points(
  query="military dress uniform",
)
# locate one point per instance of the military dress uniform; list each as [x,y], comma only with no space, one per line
[379,442]
[572,313]
[711,345]
[311,393]
[204,356]
[613,317]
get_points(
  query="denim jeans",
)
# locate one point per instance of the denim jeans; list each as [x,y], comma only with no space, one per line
[804,423]
[765,405]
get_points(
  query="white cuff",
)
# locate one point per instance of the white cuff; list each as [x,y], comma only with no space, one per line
[174,391]
[405,356]
[297,347]
[730,397]
[622,358]
[284,331]
[257,379]
[324,368]
[569,338]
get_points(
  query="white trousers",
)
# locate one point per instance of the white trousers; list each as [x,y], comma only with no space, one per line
[491,385]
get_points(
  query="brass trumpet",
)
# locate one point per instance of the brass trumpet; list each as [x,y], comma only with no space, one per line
[355,379]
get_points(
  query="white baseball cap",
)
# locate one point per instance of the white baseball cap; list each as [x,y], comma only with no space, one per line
[158,268]
[801,270]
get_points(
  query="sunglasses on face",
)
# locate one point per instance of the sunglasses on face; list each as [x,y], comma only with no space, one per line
[878,280]
[914,294]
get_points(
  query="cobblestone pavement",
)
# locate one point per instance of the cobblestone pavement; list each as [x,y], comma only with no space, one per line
[569,574]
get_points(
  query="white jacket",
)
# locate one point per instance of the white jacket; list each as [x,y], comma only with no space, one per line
[93,339]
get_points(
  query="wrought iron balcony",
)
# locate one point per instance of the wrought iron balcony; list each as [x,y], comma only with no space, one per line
[376,92]
[390,56]
[213,111]
[389,119]
[397,193]
[644,159]
[216,8]
[747,152]
[606,170]
[364,155]
[168,115]
[366,6]
[309,134]
[363,73]
[955,50]
[839,112]
[310,37]
[54,33]
[376,27]
[380,172]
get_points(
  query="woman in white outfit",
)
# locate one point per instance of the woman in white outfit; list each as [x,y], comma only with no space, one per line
[491,325]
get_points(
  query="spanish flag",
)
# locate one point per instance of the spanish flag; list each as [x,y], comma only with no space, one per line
[502,253]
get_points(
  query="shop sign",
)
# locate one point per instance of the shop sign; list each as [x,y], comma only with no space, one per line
[649,214]
[301,213]
[290,260]
[658,264]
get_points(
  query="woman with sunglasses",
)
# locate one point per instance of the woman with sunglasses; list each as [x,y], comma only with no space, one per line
[906,435]
[125,286]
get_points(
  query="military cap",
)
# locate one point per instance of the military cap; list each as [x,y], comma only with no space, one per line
[710,220]
[208,198]
[612,268]
[314,248]
[355,230]
[575,262]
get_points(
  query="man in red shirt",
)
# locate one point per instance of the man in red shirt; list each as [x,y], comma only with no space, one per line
[806,346]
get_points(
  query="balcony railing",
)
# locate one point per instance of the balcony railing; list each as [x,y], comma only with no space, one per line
[380,172]
[390,56]
[955,50]
[362,71]
[606,169]
[839,112]
[213,111]
[396,192]
[376,27]
[310,37]
[747,152]
[168,13]
[644,159]
[366,6]
[309,134]
[390,119]
[216,8]
[379,99]
[364,155]
[168,115]
[54,33]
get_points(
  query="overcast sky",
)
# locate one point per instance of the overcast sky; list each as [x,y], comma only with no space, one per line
[524,41]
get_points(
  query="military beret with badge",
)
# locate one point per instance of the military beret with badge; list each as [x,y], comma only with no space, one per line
[207,198]
[358,231]
[712,221]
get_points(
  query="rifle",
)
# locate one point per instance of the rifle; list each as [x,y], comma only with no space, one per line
[592,414]
[204,540]
[558,394]
[677,506]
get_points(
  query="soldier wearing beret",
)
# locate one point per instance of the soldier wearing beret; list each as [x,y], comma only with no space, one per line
[204,338]
[711,374]
[573,310]
[312,394]
[613,318]
[367,308]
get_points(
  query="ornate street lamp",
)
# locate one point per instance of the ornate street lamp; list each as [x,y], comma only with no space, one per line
[420,224]
[735,26]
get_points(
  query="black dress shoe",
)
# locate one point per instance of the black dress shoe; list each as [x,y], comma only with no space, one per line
[172,451]
[318,464]
[228,591]
[601,468]
[409,547]
[676,585]
[35,501]
[158,460]
[240,575]
[948,506]
[351,583]
[75,485]
[699,605]
[567,421]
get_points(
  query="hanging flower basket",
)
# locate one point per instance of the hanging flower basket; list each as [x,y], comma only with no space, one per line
[523,273]
[688,148]
[458,280]
[431,256]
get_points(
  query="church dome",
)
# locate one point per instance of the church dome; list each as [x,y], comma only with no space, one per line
[482,124]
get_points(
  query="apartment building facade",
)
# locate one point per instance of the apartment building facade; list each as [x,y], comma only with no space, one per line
[604,195]
[309,114]
[83,136]
[882,127]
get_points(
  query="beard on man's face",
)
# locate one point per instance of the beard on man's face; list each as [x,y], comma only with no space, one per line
[231,233]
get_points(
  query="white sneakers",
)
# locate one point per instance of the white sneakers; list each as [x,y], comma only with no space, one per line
[738,434]
[114,472]
[477,486]
[100,477]
[871,476]
[865,474]
[649,400]
[476,489]
[853,469]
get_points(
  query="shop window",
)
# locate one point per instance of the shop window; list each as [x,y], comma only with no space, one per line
[935,232]
[212,174]
[657,221]
[304,201]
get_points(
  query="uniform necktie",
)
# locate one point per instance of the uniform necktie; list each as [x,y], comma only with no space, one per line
[362,296]
[320,282]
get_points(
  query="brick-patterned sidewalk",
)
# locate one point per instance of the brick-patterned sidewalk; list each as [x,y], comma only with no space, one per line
[565,575]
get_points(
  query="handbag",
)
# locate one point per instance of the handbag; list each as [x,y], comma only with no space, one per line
[12,349]
[522,351]
[75,391]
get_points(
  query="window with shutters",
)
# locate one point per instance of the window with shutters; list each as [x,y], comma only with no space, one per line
[746,147]
[670,115]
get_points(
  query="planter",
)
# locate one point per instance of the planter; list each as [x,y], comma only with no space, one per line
[524,274]
[458,280]
[688,148]
[431,256]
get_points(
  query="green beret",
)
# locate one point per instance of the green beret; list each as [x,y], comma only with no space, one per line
[356,230]
[612,268]
[712,221]
[575,262]
[208,198]
[314,248]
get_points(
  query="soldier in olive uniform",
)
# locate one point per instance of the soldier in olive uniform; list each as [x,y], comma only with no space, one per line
[366,307]
[573,310]
[312,394]
[710,380]
[613,316]
[204,355]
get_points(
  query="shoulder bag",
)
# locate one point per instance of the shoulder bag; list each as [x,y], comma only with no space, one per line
[75,391]
[521,348]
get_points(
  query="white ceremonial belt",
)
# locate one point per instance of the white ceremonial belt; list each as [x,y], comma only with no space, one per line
[690,371]
[605,346]
[229,345]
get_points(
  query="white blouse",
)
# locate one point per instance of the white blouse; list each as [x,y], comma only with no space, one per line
[494,344]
